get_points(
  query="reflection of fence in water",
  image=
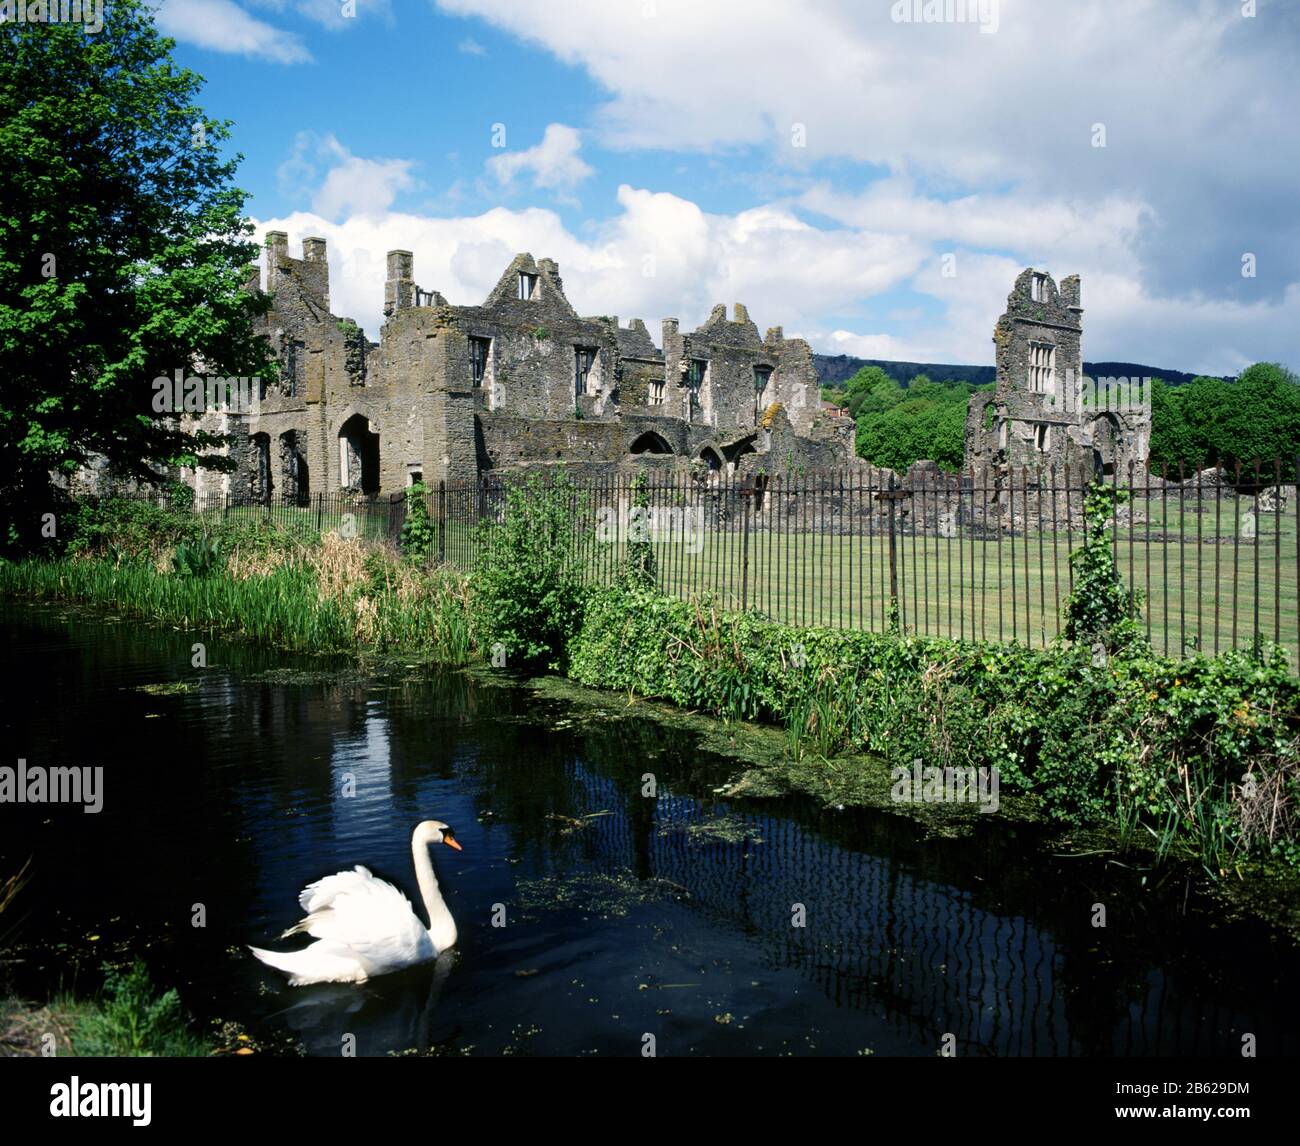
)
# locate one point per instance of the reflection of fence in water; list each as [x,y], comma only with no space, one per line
[880,936]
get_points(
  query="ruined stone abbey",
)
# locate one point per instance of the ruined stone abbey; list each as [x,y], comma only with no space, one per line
[523,383]
[520,383]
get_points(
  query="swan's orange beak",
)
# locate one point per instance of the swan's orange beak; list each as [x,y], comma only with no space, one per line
[451,843]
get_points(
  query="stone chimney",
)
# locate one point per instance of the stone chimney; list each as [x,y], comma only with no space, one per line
[316,269]
[552,269]
[399,289]
[277,251]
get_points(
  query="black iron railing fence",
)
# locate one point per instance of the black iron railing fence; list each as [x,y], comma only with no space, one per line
[1213,555]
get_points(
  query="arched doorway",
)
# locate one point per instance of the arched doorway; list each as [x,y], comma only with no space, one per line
[1106,439]
[711,458]
[295,477]
[358,455]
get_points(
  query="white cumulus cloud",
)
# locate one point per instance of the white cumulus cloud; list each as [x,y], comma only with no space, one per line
[223,26]
[553,163]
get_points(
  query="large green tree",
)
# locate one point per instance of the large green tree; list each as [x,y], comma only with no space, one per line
[1257,416]
[897,426]
[123,248]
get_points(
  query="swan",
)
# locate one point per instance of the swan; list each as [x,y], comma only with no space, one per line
[366,927]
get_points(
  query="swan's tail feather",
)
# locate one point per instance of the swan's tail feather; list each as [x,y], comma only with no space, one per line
[320,963]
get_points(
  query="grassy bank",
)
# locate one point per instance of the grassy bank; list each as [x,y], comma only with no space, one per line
[1196,756]
[292,588]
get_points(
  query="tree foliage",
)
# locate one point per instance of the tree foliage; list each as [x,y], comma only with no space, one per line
[897,426]
[1257,416]
[123,249]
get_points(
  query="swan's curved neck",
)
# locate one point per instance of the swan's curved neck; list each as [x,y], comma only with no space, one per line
[442,928]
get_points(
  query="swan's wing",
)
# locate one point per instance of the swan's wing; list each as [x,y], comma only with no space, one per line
[319,895]
[369,916]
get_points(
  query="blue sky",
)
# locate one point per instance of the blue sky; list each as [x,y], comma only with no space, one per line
[869,180]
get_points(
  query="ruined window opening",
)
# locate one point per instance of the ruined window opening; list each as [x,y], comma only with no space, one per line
[294,352]
[527,285]
[650,443]
[1038,288]
[762,376]
[1042,437]
[656,392]
[584,358]
[1002,433]
[479,349]
[695,372]
[1042,368]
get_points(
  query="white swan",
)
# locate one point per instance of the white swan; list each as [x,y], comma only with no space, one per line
[365,927]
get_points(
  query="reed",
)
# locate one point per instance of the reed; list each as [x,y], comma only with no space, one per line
[329,599]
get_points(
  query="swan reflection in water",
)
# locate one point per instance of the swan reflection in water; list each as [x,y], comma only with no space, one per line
[394,1013]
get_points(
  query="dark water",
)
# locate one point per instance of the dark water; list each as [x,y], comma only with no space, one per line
[671,917]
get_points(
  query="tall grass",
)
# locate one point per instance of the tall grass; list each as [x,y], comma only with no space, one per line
[335,598]
[10,886]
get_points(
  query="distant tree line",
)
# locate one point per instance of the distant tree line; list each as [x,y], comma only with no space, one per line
[1254,416]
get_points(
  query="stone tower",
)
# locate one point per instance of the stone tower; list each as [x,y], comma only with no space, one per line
[1044,412]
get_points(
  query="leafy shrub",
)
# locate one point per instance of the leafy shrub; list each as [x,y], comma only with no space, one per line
[526,594]
[419,533]
[131,1021]
[198,558]
[1203,754]
[129,528]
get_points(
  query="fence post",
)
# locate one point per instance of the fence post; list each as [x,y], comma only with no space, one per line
[320,512]
[442,521]
[746,496]
[893,551]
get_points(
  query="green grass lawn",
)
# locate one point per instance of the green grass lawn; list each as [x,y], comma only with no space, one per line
[1205,592]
